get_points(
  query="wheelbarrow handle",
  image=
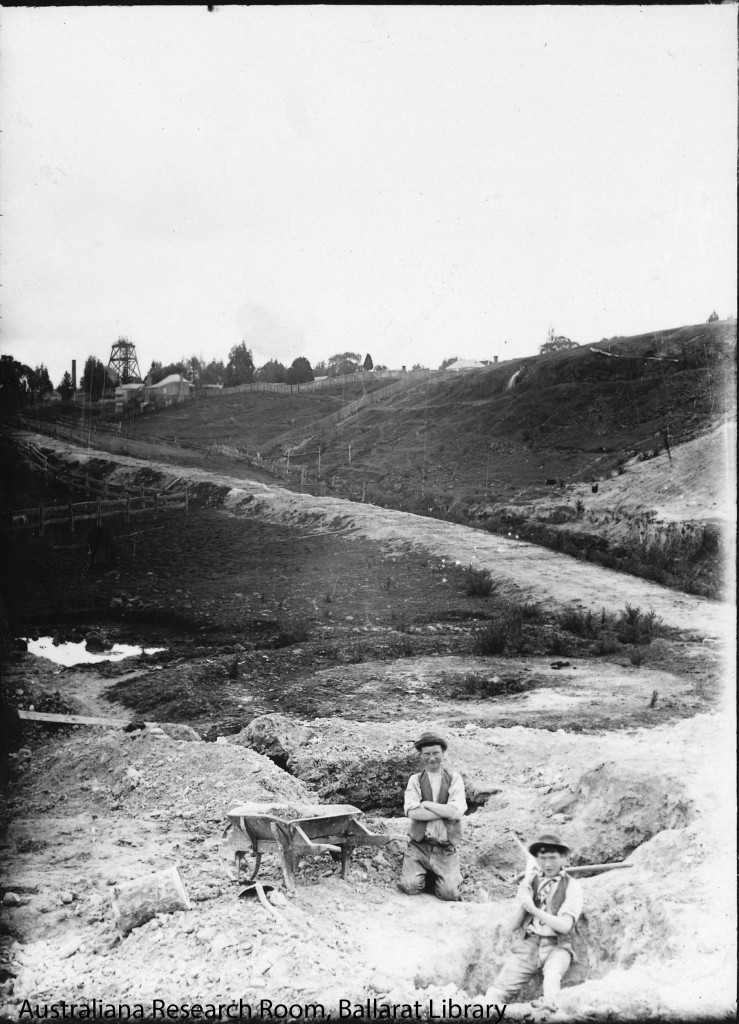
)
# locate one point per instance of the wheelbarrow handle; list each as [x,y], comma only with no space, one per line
[296,829]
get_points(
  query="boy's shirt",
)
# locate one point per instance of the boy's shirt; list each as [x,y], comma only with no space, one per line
[572,904]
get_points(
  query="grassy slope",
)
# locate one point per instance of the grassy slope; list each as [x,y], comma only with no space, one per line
[250,419]
[571,416]
[449,439]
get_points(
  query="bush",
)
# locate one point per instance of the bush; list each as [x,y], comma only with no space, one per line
[491,638]
[637,656]
[573,621]
[530,612]
[558,645]
[606,644]
[479,583]
[637,627]
[292,631]
[474,686]
[400,618]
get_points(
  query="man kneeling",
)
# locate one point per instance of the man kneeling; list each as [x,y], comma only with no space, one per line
[435,803]
[548,905]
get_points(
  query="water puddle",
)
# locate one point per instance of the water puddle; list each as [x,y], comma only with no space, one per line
[78,654]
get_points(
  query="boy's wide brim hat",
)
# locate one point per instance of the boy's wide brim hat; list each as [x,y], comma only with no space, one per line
[430,739]
[549,841]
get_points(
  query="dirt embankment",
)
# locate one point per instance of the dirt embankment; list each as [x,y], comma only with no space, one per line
[527,571]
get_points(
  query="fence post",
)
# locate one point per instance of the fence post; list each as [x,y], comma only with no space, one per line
[99,519]
[128,509]
[187,509]
[41,518]
[156,505]
[319,462]
[363,488]
[71,517]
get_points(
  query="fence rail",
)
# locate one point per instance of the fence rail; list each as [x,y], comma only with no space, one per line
[42,516]
[111,499]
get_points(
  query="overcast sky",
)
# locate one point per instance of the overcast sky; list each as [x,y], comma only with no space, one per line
[413,182]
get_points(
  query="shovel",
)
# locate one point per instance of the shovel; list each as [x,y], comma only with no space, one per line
[260,891]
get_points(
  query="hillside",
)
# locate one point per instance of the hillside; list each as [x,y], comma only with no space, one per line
[568,416]
[511,446]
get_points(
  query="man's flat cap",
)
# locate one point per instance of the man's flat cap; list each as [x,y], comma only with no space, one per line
[548,841]
[430,739]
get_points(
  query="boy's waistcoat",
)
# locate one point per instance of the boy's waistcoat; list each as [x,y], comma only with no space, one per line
[417,830]
[558,898]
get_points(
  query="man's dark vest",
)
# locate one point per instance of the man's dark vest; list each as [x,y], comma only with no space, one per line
[558,898]
[417,830]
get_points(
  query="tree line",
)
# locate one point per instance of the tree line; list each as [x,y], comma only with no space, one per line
[20,384]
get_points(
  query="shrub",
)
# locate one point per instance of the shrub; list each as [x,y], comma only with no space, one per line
[558,645]
[606,644]
[637,656]
[400,618]
[637,627]
[530,612]
[653,624]
[292,630]
[475,685]
[479,583]
[575,621]
[491,638]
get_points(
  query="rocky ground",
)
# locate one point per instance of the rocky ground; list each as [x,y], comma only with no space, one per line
[318,700]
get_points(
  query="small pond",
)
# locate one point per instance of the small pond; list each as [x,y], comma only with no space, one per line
[78,654]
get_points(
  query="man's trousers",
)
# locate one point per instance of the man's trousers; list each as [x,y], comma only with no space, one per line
[529,956]
[425,856]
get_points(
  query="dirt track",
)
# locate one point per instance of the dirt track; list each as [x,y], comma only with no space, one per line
[529,572]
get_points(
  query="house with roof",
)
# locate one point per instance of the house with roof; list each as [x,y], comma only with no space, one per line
[125,394]
[466,364]
[172,389]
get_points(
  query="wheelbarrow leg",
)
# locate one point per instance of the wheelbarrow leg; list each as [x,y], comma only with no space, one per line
[257,865]
[288,858]
[346,857]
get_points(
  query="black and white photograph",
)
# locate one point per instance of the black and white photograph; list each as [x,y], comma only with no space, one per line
[368,513]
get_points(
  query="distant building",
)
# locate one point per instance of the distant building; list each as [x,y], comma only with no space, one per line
[466,364]
[169,390]
[125,394]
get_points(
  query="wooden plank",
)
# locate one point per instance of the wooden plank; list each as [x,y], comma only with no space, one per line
[582,869]
[57,719]
[49,716]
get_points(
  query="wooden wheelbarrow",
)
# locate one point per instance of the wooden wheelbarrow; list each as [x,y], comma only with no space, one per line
[295,831]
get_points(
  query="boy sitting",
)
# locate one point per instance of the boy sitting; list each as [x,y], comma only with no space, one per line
[548,904]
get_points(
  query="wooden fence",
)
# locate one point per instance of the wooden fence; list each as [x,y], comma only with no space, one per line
[360,377]
[111,499]
[43,516]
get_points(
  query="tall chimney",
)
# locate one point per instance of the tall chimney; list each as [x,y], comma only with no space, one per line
[74,374]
